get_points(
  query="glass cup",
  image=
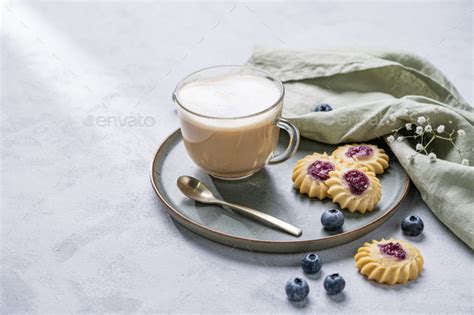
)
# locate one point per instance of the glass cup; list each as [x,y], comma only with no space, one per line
[235,146]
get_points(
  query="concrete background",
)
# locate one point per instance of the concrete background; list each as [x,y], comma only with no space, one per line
[85,102]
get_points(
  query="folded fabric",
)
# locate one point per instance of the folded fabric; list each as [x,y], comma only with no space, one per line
[373,93]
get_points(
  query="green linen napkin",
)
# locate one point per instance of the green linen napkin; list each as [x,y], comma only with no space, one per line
[373,93]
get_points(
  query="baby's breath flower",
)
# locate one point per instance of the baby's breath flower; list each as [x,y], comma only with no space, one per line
[421,120]
[425,133]
[432,157]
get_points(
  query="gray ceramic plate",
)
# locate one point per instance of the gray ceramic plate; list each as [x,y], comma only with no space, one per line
[270,191]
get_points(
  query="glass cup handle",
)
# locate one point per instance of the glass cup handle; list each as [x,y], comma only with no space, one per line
[294,134]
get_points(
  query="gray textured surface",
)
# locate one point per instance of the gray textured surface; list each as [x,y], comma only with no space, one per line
[81,227]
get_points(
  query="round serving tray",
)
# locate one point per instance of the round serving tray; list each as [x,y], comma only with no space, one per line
[270,191]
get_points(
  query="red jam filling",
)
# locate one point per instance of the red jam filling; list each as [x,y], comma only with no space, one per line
[393,249]
[320,170]
[357,181]
[360,151]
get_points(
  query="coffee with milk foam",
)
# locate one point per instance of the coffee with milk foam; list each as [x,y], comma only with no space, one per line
[226,143]
[229,96]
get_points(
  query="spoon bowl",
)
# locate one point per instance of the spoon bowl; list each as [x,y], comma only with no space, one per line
[195,189]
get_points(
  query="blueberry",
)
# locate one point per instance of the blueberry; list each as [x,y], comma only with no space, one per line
[311,263]
[412,225]
[332,219]
[297,289]
[323,108]
[334,284]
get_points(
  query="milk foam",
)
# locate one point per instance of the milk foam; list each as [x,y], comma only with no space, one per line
[229,96]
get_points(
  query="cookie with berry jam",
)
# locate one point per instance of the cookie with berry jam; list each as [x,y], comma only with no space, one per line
[354,188]
[389,261]
[311,173]
[366,155]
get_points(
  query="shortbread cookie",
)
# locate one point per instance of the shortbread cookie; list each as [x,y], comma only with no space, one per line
[311,172]
[389,261]
[354,188]
[366,155]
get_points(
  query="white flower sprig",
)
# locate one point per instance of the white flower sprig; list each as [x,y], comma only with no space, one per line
[424,134]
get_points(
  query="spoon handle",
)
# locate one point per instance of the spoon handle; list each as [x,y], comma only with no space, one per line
[264,218]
